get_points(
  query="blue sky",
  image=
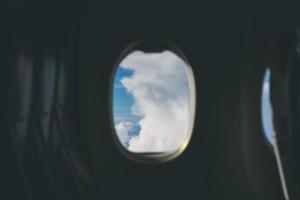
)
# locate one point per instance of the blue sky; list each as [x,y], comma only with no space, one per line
[266,107]
[122,104]
[122,99]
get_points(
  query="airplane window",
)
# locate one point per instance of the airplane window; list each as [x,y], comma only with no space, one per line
[153,102]
[267,112]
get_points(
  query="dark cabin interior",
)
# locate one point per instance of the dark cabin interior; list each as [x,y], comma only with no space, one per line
[57,63]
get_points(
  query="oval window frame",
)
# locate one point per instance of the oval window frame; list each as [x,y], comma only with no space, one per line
[155,157]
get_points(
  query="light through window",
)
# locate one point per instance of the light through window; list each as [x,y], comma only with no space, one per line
[153,102]
[267,112]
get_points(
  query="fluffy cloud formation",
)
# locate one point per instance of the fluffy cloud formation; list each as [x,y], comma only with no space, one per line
[160,88]
[122,130]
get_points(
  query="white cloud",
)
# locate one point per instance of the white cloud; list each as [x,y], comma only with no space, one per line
[160,89]
[122,130]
